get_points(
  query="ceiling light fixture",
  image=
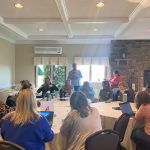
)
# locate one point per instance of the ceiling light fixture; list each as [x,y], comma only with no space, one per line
[18,5]
[41,29]
[100,4]
[95,29]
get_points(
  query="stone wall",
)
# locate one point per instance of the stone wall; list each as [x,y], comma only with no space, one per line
[131,58]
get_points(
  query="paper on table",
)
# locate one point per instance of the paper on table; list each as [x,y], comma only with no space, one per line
[47,105]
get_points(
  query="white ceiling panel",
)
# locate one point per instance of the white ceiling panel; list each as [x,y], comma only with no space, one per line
[95,29]
[147,12]
[48,28]
[140,29]
[88,9]
[74,20]
[31,9]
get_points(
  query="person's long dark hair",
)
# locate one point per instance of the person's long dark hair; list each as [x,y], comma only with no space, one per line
[106,85]
[78,101]
[116,72]
[45,82]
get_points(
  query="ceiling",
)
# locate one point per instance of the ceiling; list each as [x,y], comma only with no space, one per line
[74,21]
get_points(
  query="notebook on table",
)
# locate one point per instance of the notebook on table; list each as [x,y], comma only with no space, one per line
[48,115]
[126,108]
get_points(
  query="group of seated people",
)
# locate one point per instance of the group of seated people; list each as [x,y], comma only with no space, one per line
[27,128]
[66,90]
[108,94]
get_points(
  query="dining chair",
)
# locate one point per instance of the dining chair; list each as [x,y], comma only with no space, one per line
[102,140]
[120,126]
[6,145]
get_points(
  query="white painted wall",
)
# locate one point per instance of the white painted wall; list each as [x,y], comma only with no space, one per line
[25,53]
[7,64]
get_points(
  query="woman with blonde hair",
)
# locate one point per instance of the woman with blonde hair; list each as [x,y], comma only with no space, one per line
[81,122]
[25,126]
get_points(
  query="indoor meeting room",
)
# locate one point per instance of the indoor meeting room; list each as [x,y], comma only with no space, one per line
[74,74]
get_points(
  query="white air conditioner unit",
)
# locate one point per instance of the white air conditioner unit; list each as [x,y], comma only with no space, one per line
[48,50]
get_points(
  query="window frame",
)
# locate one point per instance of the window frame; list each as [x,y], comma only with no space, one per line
[51,74]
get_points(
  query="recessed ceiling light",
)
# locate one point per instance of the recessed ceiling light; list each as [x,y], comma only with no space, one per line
[18,5]
[100,4]
[95,29]
[41,29]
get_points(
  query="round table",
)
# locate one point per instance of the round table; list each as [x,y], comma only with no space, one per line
[108,117]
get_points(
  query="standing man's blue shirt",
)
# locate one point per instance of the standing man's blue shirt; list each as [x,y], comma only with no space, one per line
[31,136]
[75,76]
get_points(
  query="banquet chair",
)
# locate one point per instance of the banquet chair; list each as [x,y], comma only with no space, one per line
[100,140]
[120,126]
[6,145]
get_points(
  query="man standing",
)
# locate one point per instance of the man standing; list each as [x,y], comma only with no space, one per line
[74,76]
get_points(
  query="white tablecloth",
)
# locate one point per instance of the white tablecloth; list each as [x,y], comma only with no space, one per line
[108,116]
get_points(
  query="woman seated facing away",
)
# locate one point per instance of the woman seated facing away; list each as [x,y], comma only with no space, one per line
[47,86]
[25,84]
[123,91]
[66,89]
[25,126]
[81,122]
[148,88]
[141,136]
[88,90]
[105,93]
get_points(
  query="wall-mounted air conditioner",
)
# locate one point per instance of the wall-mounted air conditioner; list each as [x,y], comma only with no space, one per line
[47,50]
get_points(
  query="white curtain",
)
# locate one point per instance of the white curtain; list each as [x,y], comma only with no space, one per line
[92,60]
[50,61]
[86,60]
[46,61]
[105,62]
[37,61]
[95,61]
[78,60]
[54,61]
[63,61]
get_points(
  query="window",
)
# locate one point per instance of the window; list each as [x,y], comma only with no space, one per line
[57,74]
[97,73]
[92,73]
[85,69]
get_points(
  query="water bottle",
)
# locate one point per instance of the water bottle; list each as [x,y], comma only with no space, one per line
[48,96]
[124,97]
